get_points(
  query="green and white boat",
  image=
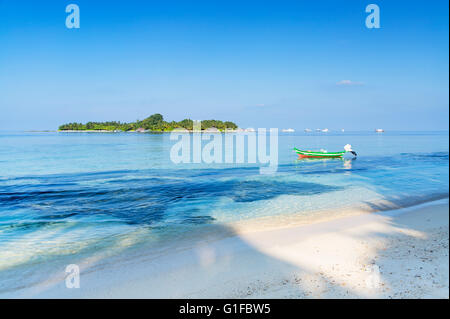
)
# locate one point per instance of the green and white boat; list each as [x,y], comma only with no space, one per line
[323,154]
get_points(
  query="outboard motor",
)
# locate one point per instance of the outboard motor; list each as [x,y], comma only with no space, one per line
[348,148]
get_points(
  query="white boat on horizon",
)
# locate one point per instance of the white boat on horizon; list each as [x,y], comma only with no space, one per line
[288,130]
[308,130]
[379,130]
[325,130]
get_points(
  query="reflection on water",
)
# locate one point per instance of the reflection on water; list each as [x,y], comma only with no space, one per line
[347,162]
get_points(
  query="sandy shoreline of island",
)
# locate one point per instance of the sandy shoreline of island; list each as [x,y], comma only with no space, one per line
[394,254]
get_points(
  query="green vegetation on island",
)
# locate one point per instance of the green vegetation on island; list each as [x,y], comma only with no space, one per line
[153,123]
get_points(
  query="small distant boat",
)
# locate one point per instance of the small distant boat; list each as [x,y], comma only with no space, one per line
[379,130]
[324,154]
[342,130]
[288,130]
[325,130]
[308,130]
[212,130]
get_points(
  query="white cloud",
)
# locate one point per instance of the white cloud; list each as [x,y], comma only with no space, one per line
[348,83]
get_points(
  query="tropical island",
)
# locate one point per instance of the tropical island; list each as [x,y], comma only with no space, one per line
[153,123]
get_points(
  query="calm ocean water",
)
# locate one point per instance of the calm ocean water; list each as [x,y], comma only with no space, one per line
[63,194]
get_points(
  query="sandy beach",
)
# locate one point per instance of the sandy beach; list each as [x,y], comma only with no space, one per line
[395,254]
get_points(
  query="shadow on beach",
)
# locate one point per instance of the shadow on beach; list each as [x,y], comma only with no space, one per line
[334,259]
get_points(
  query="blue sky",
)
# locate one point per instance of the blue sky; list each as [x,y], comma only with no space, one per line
[259,63]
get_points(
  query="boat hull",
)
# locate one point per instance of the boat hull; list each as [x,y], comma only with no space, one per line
[318,156]
[311,154]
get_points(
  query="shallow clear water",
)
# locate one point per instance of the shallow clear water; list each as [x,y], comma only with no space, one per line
[63,194]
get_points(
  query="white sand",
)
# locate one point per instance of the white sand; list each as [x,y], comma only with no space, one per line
[401,254]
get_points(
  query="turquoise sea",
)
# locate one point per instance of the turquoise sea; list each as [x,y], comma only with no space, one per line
[67,194]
